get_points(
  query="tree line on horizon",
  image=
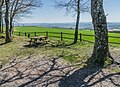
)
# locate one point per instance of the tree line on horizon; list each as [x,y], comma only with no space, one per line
[11,9]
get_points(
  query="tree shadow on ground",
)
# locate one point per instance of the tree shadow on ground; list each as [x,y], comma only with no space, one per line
[54,43]
[3,43]
[24,73]
[34,45]
[35,72]
[91,77]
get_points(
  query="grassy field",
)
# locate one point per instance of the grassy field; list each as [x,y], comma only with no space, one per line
[75,53]
[41,31]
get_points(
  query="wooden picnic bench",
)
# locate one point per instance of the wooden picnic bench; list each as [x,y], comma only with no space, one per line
[35,39]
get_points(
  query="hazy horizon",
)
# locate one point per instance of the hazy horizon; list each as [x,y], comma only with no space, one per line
[60,22]
[82,25]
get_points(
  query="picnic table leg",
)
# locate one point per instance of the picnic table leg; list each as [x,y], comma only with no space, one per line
[46,40]
[30,41]
[35,41]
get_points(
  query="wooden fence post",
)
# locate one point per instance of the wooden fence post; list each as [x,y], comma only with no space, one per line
[61,36]
[35,34]
[19,33]
[47,33]
[28,35]
[80,37]
[25,33]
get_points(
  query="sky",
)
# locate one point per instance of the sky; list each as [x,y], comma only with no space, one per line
[48,14]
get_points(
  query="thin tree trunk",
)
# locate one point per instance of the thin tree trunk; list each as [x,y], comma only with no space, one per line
[1,4]
[101,50]
[2,26]
[0,19]
[11,26]
[8,39]
[77,22]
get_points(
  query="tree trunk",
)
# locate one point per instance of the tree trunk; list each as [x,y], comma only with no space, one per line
[2,26]
[11,26]
[77,22]
[1,4]
[101,50]
[0,19]
[7,3]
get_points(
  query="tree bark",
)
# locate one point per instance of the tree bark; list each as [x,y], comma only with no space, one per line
[11,26]
[7,3]
[77,22]
[1,4]
[2,26]
[0,19]
[101,49]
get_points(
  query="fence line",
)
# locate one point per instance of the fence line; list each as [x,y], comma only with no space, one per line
[61,35]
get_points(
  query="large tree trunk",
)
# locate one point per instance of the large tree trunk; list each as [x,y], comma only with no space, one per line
[101,50]
[77,22]
[7,3]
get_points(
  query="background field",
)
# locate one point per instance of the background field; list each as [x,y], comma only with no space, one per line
[67,34]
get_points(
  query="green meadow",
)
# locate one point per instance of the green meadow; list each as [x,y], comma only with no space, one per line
[56,33]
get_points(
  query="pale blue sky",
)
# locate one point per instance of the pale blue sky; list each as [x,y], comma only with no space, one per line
[48,14]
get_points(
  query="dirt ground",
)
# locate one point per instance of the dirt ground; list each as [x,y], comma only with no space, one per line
[40,71]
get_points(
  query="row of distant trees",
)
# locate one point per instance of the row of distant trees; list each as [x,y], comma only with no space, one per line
[11,10]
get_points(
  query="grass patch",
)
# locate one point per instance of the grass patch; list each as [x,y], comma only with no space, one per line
[56,48]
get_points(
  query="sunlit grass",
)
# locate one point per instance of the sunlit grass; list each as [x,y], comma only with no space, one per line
[55,48]
[31,30]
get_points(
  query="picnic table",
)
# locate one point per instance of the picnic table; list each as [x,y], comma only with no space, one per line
[35,39]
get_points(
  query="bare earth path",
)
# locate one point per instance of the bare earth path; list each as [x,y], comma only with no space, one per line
[43,72]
